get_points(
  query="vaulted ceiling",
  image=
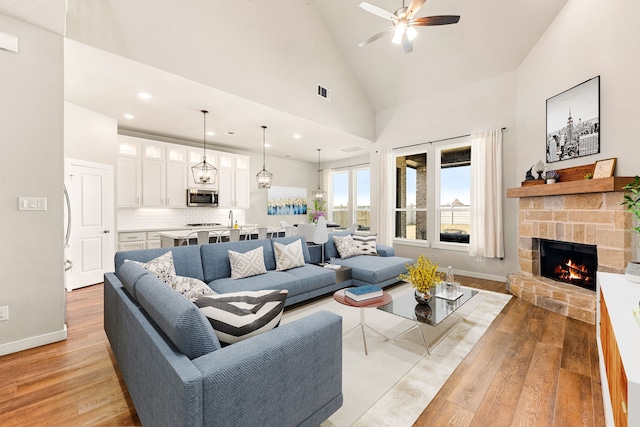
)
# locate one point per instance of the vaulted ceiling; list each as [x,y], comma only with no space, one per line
[103,69]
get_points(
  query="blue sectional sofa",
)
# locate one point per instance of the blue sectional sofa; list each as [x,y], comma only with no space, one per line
[173,365]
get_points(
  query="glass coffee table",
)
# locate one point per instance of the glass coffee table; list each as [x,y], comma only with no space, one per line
[433,313]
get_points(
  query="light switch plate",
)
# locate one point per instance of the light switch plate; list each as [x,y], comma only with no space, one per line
[32,204]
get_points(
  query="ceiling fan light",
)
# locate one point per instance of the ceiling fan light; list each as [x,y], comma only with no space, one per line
[401,27]
[397,39]
[411,33]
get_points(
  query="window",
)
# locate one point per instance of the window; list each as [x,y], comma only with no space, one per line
[350,197]
[433,194]
[411,197]
[455,194]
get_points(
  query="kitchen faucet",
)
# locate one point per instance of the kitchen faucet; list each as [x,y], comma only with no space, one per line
[231,218]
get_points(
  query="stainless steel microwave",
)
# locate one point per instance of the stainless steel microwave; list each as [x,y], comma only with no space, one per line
[202,198]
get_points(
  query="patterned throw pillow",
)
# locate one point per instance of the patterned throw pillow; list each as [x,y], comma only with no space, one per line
[162,267]
[240,315]
[191,288]
[247,264]
[366,244]
[346,246]
[288,256]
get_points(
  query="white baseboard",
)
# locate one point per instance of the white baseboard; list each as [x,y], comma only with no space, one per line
[478,275]
[25,344]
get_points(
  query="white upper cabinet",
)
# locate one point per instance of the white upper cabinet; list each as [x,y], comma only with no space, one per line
[233,191]
[151,173]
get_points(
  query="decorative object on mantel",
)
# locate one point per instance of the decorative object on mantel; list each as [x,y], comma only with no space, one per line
[203,172]
[604,168]
[529,175]
[588,176]
[632,202]
[573,122]
[423,275]
[264,177]
[539,169]
[319,194]
[551,176]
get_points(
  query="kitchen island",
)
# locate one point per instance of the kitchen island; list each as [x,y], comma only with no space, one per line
[218,234]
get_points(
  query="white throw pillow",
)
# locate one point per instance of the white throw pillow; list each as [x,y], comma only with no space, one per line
[162,267]
[247,264]
[191,288]
[239,315]
[365,244]
[346,246]
[288,256]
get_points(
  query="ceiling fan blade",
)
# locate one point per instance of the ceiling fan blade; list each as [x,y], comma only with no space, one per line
[407,44]
[375,37]
[414,7]
[378,11]
[436,20]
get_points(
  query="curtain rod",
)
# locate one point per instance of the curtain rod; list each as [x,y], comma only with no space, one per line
[437,140]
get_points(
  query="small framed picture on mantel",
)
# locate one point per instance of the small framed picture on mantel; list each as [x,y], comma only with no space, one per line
[604,168]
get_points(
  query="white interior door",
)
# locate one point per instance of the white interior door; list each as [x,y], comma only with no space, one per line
[91,243]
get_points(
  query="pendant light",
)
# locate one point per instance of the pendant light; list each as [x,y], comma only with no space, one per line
[264,177]
[203,172]
[319,195]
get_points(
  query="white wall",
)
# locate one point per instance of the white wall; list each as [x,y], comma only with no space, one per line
[89,135]
[286,173]
[588,38]
[484,105]
[31,149]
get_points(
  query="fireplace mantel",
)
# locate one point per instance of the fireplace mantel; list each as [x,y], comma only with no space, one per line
[600,185]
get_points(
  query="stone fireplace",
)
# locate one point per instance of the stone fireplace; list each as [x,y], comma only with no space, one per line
[597,219]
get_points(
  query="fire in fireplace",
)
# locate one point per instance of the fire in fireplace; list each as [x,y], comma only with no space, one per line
[573,263]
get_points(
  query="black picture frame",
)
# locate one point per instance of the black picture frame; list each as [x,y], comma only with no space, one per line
[573,122]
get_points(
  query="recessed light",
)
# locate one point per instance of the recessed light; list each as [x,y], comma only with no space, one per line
[210,133]
[129,116]
[144,95]
[267,145]
[297,136]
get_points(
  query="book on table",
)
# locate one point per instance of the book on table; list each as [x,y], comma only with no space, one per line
[362,293]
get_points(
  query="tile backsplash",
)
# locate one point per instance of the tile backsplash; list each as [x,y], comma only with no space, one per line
[146,218]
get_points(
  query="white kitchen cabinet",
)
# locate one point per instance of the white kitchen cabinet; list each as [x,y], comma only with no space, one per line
[128,181]
[153,184]
[129,146]
[131,241]
[153,150]
[176,185]
[233,190]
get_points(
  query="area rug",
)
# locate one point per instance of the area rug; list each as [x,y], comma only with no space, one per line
[395,382]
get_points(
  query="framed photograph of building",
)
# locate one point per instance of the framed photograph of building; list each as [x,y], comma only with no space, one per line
[573,122]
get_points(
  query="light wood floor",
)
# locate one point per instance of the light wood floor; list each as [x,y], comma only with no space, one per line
[532,367]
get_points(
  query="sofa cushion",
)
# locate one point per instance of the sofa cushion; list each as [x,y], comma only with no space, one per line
[129,274]
[288,256]
[215,258]
[346,246]
[375,270]
[250,263]
[365,244]
[181,321]
[186,259]
[240,315]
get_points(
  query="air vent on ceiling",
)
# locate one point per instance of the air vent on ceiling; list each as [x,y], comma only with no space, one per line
[324,93]
[230,132]
[352,149]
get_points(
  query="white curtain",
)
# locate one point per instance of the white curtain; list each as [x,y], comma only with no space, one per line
[487,233]
[385,211]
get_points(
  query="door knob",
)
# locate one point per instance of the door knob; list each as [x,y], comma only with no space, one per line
[106,231]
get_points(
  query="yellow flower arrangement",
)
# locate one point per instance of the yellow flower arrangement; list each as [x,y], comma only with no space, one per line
[422,274]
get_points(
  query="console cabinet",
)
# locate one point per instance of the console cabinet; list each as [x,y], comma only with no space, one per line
[619,349]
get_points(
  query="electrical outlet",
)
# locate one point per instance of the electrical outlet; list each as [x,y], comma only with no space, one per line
[4,313]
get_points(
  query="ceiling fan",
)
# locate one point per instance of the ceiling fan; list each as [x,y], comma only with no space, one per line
[404,21]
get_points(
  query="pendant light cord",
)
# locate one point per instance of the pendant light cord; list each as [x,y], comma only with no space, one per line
[204,137]
[264,128]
